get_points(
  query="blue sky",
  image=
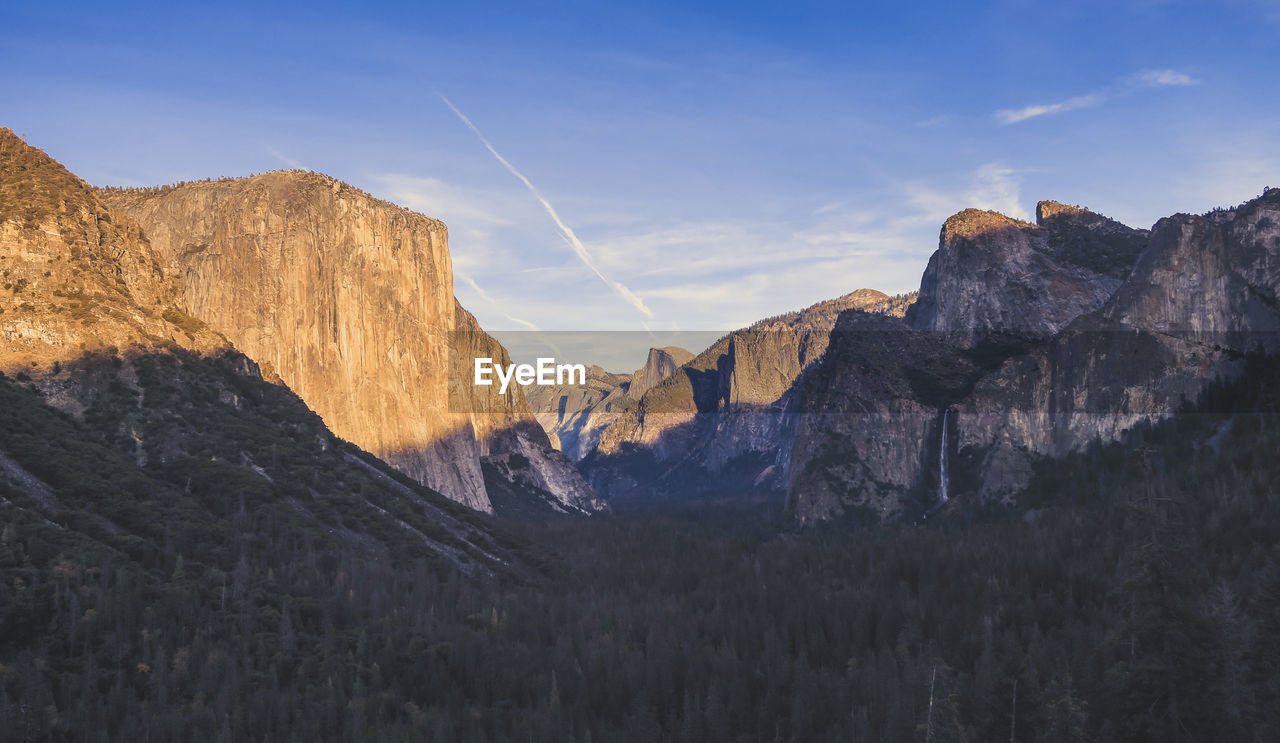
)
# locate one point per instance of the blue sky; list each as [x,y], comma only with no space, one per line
[715,163]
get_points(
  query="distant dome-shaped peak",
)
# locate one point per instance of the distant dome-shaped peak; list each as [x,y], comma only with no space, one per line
[866,295]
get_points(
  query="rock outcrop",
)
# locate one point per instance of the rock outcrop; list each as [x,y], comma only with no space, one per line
[516,455]
[347,299]
[1080,237]
[75,277]
[993,274]
[576,415]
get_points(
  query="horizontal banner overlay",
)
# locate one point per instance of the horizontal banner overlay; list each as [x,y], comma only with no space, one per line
[884,371]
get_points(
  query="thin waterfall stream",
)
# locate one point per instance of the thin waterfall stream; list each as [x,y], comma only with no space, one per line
[944,476]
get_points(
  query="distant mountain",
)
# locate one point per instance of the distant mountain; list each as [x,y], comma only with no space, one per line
[722,423]
[660,364]
[349,300]
[576,415]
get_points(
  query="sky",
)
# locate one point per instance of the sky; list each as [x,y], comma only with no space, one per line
[670,166]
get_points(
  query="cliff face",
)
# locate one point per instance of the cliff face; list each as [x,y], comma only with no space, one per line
[1181,312]
[993,274]
[575,415]
[871,419]
[515,454]
[1212,277]
[1080,237]
[724,422]
[1199,297]
[348,299]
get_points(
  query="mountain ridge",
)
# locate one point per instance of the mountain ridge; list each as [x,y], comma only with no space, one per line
[723,421]
[1192,301]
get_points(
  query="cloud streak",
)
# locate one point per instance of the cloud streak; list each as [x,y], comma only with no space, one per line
[489,299]
[567,233]
[1145,79]
[1014,115]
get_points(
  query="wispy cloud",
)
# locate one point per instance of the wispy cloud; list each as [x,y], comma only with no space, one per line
[1163,78]
[702,270]
[995,186]
[292,163]
[446,201]
[1014,115]
[1144,79]
[998,187]
[566,232]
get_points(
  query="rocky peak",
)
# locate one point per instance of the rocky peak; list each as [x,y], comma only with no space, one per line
[1215,277]
[972,223]
[1201,291]
[723,423]
[661,363]
[1081,237]
[1046,210]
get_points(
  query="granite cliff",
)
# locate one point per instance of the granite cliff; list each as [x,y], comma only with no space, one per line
[348,300]
[658,366]
[124,421]
[993,274]
[1029,342]
[1201,295]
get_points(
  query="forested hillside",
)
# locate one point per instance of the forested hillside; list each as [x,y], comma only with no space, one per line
[1137,597]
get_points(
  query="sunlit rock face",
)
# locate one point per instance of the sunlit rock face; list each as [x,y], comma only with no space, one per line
[348,299]
[75,277]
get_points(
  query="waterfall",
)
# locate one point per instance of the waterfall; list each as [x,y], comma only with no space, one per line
[944,476]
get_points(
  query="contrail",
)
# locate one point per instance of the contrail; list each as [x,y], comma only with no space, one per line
[565,231]
[485,296]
